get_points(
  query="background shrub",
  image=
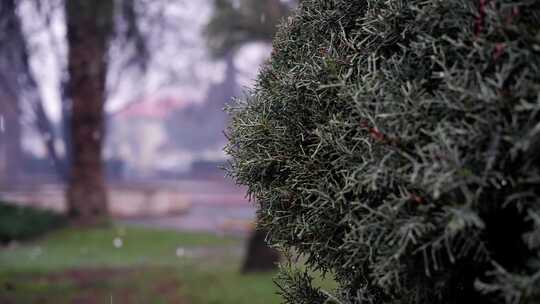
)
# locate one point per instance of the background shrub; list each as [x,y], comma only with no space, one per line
[396,144]
[21,223]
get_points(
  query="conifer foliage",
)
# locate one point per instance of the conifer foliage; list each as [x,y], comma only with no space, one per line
[396,145]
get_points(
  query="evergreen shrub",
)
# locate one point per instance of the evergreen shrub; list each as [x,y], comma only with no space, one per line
[396,145]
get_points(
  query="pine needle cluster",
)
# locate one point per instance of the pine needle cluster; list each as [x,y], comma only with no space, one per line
[396,145]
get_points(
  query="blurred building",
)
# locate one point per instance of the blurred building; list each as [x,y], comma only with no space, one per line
[137,137]
[172,136]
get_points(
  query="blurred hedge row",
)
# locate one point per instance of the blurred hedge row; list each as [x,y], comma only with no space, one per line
[22,223]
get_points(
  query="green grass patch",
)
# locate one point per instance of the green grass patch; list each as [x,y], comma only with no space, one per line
[108,247]
[223,283]
[151,266]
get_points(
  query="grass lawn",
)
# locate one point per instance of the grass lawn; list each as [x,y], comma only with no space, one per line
[130,265]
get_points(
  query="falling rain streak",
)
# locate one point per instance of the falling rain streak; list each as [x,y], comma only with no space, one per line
[2,124]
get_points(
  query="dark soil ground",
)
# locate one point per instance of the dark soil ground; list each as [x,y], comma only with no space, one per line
[95,286]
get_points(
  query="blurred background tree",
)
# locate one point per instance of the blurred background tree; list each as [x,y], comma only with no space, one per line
[17,83]
[90,28]
[234,24]
[10,61]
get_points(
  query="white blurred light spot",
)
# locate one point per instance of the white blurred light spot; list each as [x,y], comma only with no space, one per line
[36,252]
[2,124]
[118,243]
[180,252]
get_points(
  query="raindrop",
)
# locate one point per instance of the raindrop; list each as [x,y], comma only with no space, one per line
[263,18]
[2,124]
[118,243]
[180,252]
[439,75]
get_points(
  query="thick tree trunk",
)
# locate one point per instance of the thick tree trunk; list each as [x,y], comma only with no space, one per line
[89,24]
[259,256]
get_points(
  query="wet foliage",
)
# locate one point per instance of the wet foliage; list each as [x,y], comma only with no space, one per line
[396,145]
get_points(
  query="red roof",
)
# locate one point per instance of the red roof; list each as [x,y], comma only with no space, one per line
[156,108]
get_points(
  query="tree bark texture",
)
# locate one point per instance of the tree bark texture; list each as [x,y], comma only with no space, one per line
[89,25]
